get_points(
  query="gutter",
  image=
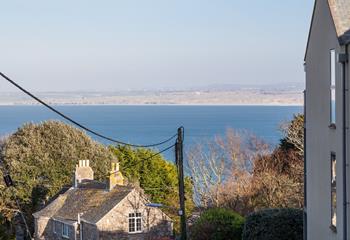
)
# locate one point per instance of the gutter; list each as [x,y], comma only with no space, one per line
[343,59]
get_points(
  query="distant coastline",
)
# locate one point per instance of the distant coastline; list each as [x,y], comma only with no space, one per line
[242,97]
[199,105]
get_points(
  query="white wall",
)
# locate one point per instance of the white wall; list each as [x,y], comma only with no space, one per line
[320,139]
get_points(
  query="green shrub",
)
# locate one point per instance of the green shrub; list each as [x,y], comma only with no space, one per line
[217,224]
[274,224]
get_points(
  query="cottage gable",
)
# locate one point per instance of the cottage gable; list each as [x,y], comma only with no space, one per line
[140,218]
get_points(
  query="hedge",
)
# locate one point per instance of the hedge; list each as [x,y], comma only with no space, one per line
[218,224]
[274,224]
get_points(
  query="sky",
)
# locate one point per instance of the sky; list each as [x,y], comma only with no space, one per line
[114,45]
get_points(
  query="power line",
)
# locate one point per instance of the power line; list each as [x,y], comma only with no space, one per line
[7,175]
[152,156]
[80,125]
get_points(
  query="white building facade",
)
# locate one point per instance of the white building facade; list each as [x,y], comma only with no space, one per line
[327,121]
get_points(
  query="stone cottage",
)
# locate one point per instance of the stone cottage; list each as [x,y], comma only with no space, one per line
[92,210]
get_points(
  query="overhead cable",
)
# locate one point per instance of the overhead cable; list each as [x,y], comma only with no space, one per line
[79,124]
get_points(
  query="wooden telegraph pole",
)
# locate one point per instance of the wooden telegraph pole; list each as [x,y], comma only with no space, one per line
[179,163]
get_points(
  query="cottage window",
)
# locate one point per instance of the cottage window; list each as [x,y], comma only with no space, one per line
[333,190]
[135,222]
[65,230]
[333,87]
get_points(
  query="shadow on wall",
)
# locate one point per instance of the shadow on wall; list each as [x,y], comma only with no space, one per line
[153,234]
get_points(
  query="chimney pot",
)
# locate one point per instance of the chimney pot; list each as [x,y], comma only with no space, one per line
[115,176]
[83,172]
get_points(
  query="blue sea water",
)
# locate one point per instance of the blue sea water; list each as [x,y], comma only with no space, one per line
[151,123]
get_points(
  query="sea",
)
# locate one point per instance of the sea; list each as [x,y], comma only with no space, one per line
[148,124]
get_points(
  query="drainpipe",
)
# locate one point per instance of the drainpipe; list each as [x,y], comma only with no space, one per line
[305,172]
[343,59]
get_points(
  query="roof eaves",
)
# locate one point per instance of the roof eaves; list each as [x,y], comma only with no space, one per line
[86,221]
[309,35]
[56,203]
[344,39]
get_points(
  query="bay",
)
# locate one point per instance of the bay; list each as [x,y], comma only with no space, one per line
[147,124]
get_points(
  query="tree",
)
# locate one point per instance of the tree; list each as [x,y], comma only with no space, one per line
[279,177]
[221,170]
[156,176]
[41,159]
[240,172]
[293,132]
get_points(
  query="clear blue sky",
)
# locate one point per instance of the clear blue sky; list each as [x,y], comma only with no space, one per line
[117,45]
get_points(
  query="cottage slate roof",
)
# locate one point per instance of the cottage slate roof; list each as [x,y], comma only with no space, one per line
[340,11]
[91,201]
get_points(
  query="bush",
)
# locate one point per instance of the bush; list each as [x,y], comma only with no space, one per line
[217,224]
[274,224]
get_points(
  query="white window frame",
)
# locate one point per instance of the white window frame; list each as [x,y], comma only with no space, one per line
[333,91]
[64,233]
[333,191]
[135,217]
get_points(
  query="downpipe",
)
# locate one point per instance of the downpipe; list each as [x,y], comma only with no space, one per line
[343,59]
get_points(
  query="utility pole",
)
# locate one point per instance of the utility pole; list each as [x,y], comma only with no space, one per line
[179,163]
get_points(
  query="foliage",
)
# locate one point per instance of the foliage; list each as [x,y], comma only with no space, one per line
[5,229]
[41,159]
[156,176]
[274,224]
[221,170]
[278,177]
[242,173]
[294,134]
[218,224]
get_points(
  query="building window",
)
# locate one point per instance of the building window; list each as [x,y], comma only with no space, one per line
[65,230]
[333,190]
[333,87]
[135,222]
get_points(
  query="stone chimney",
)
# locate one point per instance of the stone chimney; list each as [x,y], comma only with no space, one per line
[115,176]
[83,172]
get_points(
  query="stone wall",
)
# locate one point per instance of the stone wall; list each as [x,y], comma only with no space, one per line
[116,223]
